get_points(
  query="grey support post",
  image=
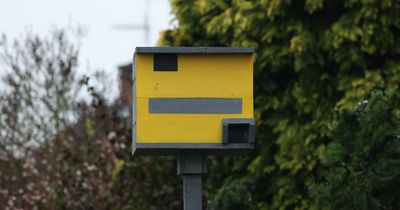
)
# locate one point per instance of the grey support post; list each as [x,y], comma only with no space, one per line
[192,165]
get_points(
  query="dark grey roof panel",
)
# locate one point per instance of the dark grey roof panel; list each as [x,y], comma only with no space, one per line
[194,50]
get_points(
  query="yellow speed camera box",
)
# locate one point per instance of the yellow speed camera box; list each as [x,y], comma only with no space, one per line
[192,98]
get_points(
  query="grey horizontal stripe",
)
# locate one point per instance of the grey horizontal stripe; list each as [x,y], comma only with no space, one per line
[195,105]
[194,50]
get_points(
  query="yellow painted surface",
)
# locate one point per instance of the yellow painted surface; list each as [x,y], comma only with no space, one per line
[201,75]
[183,128]
[198,76]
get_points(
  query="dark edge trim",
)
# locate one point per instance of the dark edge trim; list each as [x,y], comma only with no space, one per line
[194,50]
[171,149]
[134,105]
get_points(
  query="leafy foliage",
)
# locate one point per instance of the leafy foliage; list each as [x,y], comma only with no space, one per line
[59,138]
[310,56]
[363,160]
[58,151]
[148,183]
[62,144]
[233,195]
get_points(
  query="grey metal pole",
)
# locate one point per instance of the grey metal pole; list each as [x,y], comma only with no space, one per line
[192,196]
[192,165]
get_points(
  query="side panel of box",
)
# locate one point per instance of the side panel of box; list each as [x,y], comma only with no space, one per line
[134,146]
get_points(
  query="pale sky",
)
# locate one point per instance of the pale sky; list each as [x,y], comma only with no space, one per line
[104,46]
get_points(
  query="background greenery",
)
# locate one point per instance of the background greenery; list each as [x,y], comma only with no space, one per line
[310,57]
[362,164]
[318,147]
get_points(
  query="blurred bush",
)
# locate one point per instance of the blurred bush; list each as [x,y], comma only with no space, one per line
[310,57]
[62,142]
[63,146]
[362,162]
